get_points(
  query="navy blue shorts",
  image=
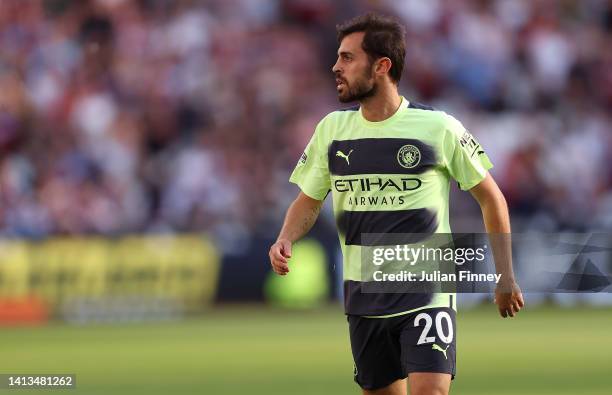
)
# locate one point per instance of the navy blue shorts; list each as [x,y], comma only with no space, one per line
[389,349]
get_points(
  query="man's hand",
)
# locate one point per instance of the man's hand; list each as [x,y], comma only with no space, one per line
[300,217]
[508,298]
[280,252]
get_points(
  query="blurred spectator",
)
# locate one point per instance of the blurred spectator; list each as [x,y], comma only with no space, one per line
[121,116]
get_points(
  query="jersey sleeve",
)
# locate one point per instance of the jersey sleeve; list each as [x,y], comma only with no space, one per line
[465,159]
[311,173]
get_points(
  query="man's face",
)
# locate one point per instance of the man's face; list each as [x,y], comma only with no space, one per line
[354,72]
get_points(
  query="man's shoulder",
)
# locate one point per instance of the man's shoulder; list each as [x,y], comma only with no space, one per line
[435,119]
[343,113]
[336,118]
[425,111]
[420,106]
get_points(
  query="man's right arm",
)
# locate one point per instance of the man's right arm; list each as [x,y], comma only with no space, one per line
[300,217]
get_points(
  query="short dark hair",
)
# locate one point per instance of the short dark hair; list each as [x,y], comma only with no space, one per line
[384,37]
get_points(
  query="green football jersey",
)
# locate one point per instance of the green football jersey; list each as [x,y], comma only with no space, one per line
[388,177]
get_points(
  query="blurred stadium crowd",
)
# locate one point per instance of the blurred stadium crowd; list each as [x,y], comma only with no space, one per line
[150,115]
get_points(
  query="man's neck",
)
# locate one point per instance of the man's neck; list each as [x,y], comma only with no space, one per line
[381,106]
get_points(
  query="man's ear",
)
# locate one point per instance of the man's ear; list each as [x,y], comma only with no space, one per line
[382,65]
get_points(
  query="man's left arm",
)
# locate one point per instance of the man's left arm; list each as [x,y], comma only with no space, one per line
[508,296]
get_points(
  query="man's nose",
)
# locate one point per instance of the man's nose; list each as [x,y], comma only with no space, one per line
[336,68]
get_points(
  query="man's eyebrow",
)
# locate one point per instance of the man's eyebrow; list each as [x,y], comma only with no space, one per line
[342,53]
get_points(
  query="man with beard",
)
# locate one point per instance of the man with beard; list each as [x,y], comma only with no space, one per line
[388,163]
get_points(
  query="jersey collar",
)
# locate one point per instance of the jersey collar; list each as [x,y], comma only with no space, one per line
[404,105]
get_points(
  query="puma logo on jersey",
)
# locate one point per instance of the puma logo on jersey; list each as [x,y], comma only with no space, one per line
[442,350]
[342,155]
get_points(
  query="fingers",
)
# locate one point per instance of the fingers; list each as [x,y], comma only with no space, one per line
[279,255]
[519,300]
[279,264]
[280,269]
[506,312]
[517,306]
[285,248]
[511,307]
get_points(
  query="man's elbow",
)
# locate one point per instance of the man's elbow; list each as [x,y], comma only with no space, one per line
[496,199]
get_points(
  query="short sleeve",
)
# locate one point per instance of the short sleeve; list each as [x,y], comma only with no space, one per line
[465,159]
[311,173]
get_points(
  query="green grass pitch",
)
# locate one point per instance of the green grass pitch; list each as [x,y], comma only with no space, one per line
[256,350]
